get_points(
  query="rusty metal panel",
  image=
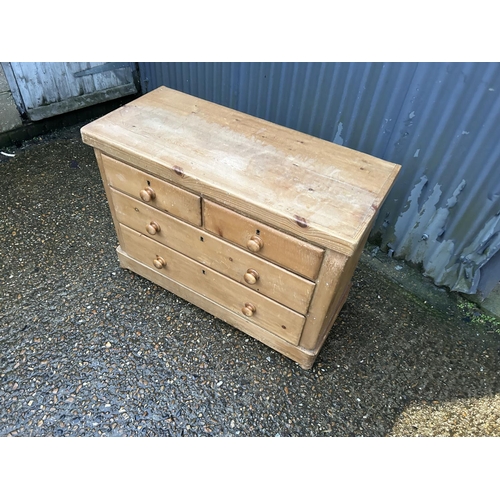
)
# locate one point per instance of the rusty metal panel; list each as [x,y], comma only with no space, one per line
[441,121]
[444,210]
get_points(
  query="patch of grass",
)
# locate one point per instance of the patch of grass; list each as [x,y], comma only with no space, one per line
[471,313]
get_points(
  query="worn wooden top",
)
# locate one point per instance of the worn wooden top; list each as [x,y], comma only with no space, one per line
[312,188]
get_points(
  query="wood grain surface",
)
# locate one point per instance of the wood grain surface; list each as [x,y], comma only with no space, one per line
[303,357]
[274,282]
[320,191]
[275,245]
[233,296]
[167,197]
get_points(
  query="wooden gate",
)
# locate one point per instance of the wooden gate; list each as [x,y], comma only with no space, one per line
[45,89]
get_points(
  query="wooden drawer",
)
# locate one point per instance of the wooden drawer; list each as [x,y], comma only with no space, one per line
[283,286]
[255,307]
[267,242]
[153,191]
[215,173]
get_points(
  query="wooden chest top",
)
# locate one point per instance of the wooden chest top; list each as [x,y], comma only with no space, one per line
[312,188]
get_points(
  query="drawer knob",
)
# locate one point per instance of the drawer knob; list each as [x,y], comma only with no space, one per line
[251,276]
[255,243]
[249,309]
[153,227]
[147,194]
[159,262]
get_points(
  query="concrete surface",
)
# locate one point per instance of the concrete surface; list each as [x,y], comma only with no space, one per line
[90,349]
[491,305]
[9,115]
[4,84]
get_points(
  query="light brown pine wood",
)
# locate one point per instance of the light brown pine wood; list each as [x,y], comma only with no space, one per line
[273,221]
[328,285]
[267,242]
[315,189]
[332,286]
[107,189]
[268,314]
[283,286]
[153,191]
[302,356]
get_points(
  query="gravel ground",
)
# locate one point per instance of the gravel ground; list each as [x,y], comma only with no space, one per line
[90,349]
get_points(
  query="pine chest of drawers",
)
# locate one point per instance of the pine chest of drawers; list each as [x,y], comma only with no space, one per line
[257,224]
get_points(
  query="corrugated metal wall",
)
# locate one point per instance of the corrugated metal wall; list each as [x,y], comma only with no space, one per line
[439,120]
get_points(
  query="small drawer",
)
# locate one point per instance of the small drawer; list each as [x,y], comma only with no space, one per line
[251,271]
[153,191]
[247,303]
[264,241]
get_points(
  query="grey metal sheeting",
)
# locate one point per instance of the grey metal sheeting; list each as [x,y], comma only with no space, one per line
[440,121]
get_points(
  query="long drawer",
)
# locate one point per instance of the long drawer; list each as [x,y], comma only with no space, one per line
[251,271]
[265,241]
[153,191]
[251,305]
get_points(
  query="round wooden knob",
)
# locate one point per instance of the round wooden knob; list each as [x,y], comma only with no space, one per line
[249,309]
[153,227]
[255,244]
[147,194]
[251,276]
[159,262]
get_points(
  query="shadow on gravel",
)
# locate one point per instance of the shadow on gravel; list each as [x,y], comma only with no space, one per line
[89,349]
